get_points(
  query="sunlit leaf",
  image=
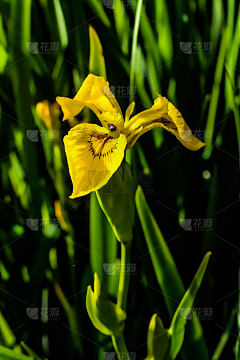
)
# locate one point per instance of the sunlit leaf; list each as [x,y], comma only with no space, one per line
[183,312]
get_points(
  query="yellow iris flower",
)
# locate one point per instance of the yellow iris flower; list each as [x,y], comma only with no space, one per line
[95,153]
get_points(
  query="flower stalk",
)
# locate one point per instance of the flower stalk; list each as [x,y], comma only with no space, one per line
[124,276]
[120,347]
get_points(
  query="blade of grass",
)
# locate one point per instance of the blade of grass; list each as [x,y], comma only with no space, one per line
[212,113]
[177,327]
[134,48]
[7,354]
[30,351]
[122,24]
[168,277]
[62,28]
[224,337]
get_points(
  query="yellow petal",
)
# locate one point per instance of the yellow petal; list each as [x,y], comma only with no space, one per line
[92,157]
[181,129]
[49,113]
[113,122]
[96,57]
[162,114]
[95,90]
[129,111]
[69,107]
[145,121]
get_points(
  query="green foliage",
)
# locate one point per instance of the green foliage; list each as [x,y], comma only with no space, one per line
[46,51]
[7,354]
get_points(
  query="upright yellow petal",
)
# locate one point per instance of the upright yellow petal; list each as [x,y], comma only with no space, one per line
[92,156]
[95,94]
[95,90]
[129,111]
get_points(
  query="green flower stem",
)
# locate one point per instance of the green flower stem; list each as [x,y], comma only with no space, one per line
[124,276]
[120,347]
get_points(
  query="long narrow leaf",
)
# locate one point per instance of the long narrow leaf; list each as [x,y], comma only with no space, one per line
[177,328]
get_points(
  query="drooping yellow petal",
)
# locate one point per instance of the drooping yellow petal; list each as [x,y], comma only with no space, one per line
[92,156]
[162,114]
[181,129]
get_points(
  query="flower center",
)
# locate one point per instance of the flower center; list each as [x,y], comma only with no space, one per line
[113,122]
[112,127]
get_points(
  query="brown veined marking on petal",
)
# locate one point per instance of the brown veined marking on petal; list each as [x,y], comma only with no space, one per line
[163,120]
[105,140]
